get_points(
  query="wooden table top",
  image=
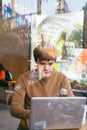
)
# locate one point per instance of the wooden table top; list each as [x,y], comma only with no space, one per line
[12,81]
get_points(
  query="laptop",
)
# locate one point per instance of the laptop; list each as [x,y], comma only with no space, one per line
[57,113]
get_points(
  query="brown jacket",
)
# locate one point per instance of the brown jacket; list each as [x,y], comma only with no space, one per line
[28,87]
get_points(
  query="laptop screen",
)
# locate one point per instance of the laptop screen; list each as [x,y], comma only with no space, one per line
[57,112]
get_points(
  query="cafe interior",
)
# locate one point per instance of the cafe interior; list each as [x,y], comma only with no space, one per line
[65,28]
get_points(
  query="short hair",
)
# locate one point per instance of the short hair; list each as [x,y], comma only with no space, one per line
[48,52]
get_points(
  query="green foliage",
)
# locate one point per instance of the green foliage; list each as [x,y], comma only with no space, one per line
[61,39]
[62,35]
[76,35]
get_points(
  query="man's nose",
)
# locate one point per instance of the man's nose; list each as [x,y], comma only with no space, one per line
[46,66]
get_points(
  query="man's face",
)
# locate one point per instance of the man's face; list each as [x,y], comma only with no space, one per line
[45,68]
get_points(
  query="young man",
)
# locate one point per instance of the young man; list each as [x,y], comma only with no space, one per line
[42,82]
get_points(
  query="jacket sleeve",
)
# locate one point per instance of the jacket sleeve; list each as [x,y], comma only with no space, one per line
[66,85]
[17,107]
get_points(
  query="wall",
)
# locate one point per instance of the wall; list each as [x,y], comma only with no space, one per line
[15,64]
[14,51]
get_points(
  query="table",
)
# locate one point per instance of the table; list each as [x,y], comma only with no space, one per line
[12,81]
[8,93]
[11,84]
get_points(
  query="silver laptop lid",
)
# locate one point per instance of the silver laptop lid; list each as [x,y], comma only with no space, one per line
[57,112]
